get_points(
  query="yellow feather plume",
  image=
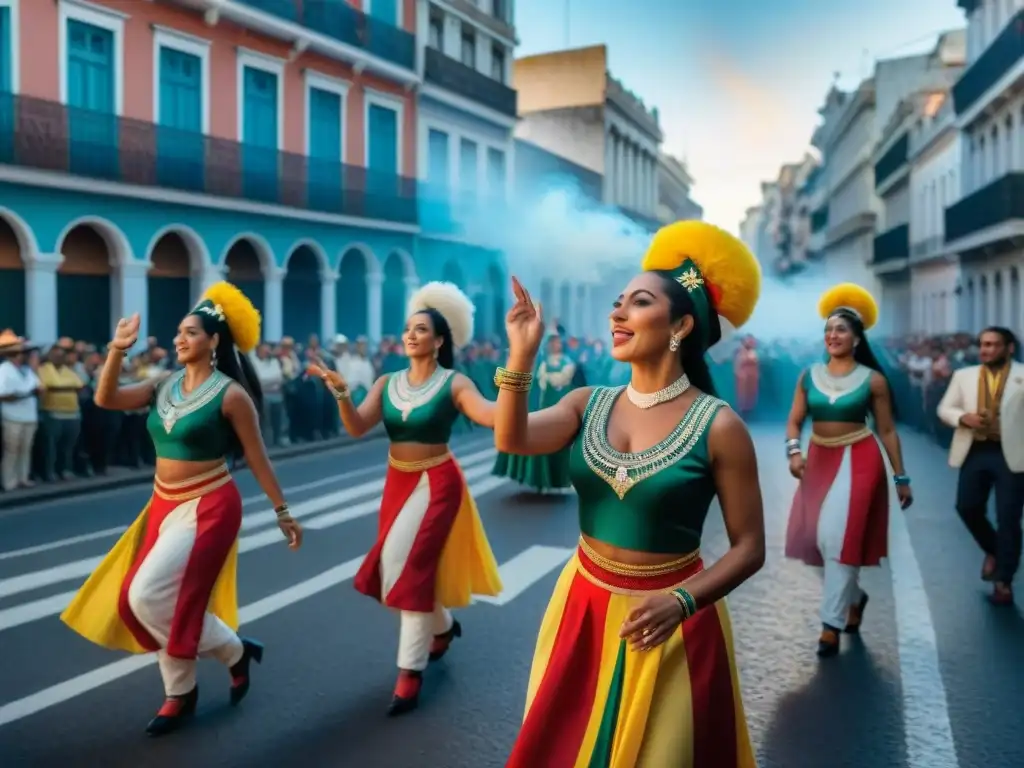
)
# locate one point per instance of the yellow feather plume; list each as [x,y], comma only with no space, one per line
[853,296]
[242,317]
[726,263]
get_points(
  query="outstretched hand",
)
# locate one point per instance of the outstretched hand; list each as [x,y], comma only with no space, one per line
[332,379]
[126,333]
[524,323]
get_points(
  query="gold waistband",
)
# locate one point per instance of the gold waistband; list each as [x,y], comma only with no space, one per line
[842,440]
[193,487]
[419,466]
[637,571]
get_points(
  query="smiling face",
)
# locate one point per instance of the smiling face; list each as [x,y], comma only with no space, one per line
[840,337]
[419,338]
[641,320]
[193,344]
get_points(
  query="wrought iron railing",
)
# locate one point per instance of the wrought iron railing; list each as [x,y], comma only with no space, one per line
[1004,52]
[445,72]
[894,158]
[995,203]
[892,245]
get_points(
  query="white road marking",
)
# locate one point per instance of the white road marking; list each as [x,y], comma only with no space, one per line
[35,610]
[524,570]
[89,681]
[116,530]
[67,571]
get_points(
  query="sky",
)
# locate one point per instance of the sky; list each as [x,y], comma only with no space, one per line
[738,83]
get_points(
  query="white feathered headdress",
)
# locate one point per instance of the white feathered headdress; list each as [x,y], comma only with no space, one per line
[453,305]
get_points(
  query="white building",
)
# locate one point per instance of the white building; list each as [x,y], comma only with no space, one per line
[569,104]
[986,226]
[674,186]
[751,226]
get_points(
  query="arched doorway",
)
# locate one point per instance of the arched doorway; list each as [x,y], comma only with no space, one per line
[301,294]
[350,292]
[84,286]
[12,281]
[452,273]
[393,296]
[244,269]
[496,288]
[169,283]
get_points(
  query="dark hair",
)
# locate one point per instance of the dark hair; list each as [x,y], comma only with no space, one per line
[691,352]
[1009,339]
[446,354]
[862,352]
[237,366]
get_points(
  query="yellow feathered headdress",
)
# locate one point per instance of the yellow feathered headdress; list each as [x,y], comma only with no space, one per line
[852,297]
[716,268]
[223,304]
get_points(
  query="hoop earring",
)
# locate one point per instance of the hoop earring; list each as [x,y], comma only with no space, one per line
[213,358]
[673,344]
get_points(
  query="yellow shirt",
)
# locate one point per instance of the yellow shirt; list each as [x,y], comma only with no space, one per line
[65,401]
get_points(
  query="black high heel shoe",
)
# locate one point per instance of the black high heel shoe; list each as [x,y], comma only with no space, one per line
[174,713]
[407,693]
[251,651]
[439,647]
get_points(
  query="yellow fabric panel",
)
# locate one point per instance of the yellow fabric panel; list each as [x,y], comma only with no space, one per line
[467,566]
[549,630]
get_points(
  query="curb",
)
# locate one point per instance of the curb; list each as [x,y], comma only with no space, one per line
[124,478]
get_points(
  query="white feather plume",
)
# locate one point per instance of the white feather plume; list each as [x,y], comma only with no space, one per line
[455,307]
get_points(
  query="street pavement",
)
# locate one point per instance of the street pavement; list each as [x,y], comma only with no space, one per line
[932,682]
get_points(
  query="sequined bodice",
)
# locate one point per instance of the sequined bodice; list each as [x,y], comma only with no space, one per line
[190,427]
[652,501]
[842,399]
[424,413]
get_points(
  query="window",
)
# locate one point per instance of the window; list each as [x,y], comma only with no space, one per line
[436,31]
[9,48]
[260,123]
[495,173]
[384,10]
[91,49]
[438,167]
[467,167]
[468,50]
[181,80]
[325,117]
[500,9]
[383,135]
[498,63]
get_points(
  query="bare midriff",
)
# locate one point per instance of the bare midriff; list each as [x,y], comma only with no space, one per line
[832,430]
[630,556]
[175,471]
[413,452]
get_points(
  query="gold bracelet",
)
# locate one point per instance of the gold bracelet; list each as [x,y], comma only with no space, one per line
[513,381]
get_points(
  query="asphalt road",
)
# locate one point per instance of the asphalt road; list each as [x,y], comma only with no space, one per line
[933,682]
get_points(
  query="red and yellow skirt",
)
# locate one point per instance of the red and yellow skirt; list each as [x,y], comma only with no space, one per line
[593,701]
[841,508]
[431,546]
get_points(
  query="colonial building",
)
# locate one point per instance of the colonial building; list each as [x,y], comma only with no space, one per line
[674,187]
[149,148]
[986,225]
[467,112]
[812,216]
[570,105]
[789,220]
[750,227]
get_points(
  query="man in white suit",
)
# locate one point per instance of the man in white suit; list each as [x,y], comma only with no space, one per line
[985,405]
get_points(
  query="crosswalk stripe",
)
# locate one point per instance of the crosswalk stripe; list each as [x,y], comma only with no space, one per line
[524,570]
[88,681]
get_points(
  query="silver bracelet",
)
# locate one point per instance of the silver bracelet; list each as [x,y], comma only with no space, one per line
[793,446]
[338,394]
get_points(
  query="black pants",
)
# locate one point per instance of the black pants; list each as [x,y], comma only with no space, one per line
[982,470]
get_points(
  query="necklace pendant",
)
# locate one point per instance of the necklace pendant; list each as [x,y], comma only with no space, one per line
[406,410]
[169,422]
[622,482]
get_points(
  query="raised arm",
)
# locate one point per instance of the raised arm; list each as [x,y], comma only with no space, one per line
[471,403]
[357,420]
[109,394]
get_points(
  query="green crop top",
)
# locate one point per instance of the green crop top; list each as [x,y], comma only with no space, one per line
[192,427]
[838,398]
[653,501]
[422,414]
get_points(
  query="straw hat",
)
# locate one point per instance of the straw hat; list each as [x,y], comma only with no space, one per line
[11,343]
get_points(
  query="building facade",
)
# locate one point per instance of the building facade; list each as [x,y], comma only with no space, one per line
[570,105]
[148,149]
[985,227]
[674,186]
[467,113]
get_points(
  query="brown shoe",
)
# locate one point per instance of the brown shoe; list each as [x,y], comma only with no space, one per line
[828,642]
[988,568]
[855,615]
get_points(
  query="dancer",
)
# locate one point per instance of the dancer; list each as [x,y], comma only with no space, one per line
[746,368]
[985,405]
[169,584]
[431,552]
[634,663]
[556,374]
[840,513]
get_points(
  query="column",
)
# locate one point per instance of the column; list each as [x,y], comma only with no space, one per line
[609,164]
[374,305]
[412,284]
[617,175]
[273,303]
[131,295]
[328,306]
[205,277]
[41,297]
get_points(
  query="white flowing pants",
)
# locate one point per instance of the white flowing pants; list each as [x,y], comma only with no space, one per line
[416,633]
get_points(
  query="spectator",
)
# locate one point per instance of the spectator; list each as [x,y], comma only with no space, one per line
[62,420]
[19,388]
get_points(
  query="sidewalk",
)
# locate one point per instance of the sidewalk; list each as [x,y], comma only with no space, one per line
[120,477]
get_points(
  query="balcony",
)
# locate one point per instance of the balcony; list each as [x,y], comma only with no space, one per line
[454,76]
[819,219]
[999,202]
[894,158]
[892,245]
[48,136]
[338,20]
[998,59]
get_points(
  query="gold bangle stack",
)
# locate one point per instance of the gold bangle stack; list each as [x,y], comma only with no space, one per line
[686,602]
[513,381]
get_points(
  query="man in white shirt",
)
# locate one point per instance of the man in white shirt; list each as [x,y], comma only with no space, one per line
[19,410]
[985,405]
[271,375]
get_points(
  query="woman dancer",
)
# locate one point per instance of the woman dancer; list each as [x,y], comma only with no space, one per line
[636,582]
[169,584]
[431,552]
[840,514]
[555,375]
[746,368]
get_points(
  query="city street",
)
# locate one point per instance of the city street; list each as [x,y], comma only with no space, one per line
[932,682]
